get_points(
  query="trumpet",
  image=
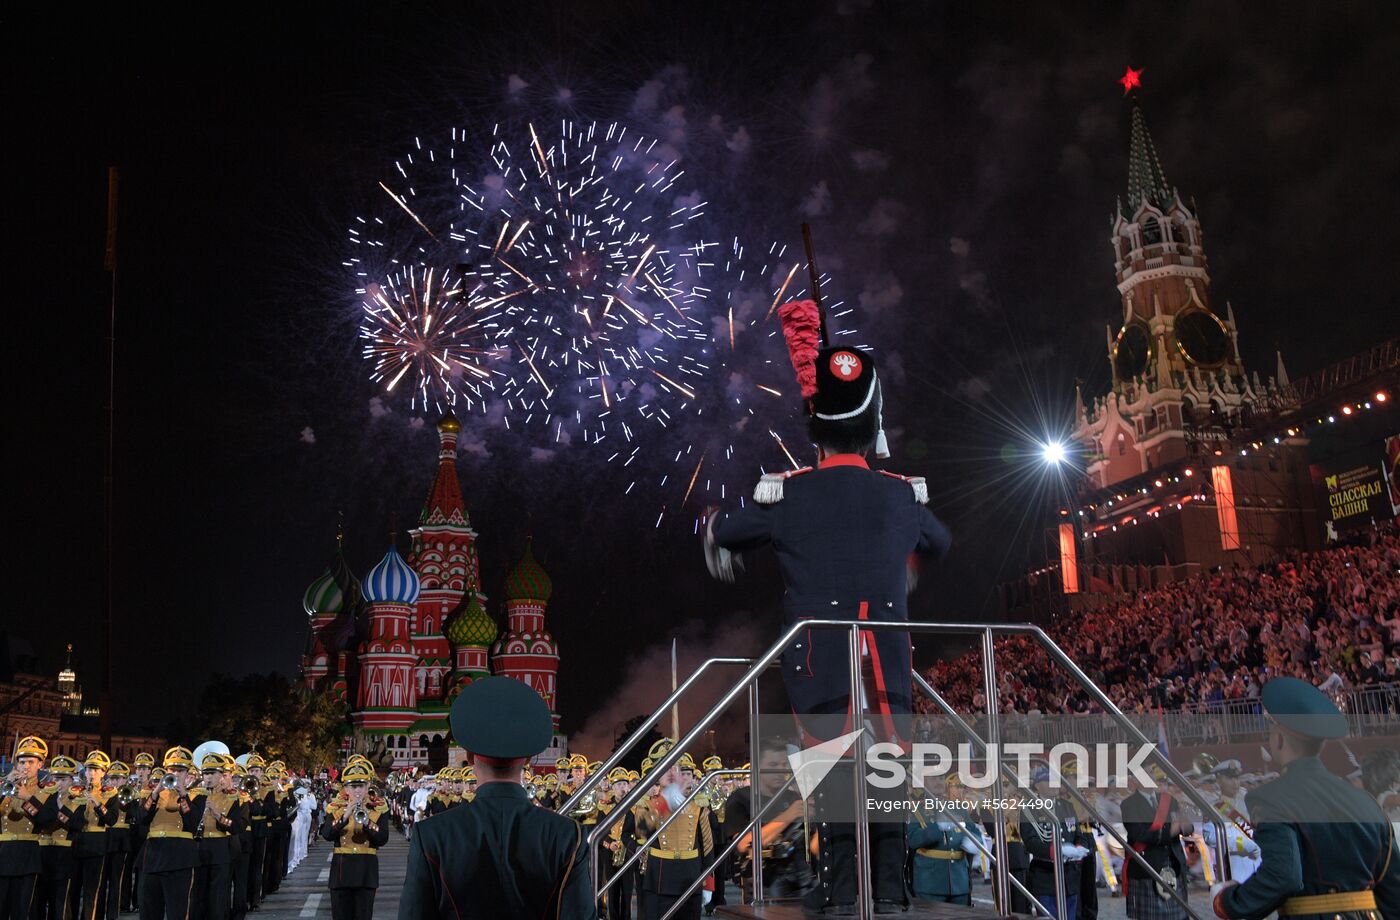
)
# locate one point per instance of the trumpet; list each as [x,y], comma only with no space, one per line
[249,784]
[168,783]
[361,815]
[8,788]
[126,793]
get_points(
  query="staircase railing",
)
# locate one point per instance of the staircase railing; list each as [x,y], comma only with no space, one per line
[597,776]
[760,664]
[1128,851]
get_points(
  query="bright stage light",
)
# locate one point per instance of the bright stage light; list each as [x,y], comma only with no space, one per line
[1053,452]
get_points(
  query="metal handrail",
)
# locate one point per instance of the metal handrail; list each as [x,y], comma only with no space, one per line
[753,827]
[988,633]
[982,848]
[1128,851]
[756,669]
[1205,807]
[642,849]
[641,732]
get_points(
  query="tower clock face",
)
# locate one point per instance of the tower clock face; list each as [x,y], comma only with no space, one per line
[1202,338]
[1131,351]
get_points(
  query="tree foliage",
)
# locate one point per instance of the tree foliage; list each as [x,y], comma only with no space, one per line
[267,712]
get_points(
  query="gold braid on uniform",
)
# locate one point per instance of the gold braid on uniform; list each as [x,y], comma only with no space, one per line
[568,870]
[1389,851]
[707,837]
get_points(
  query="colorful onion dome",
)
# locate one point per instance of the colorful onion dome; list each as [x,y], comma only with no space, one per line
[528,581]
[324,595]
[392,581]
[471,625]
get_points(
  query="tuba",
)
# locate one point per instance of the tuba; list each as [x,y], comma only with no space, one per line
[587,806]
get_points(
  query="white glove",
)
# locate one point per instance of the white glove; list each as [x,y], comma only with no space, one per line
[1219,887]
[1073,852]
[723,564]
[673,796]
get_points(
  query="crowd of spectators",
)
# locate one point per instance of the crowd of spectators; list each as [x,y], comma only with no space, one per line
[1330,617]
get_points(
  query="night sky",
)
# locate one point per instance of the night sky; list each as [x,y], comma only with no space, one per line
[959,164]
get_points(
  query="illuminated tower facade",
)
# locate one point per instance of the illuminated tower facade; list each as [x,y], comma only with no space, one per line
[388,694]
[68,686]
[444,556]
[1175,360]
[526,651]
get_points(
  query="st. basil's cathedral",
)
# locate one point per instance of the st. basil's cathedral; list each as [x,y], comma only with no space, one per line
[398,645]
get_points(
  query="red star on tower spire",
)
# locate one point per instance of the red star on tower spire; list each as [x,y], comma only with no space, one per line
[1131,80]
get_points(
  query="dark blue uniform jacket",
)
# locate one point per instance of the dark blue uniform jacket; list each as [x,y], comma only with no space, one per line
[843,534]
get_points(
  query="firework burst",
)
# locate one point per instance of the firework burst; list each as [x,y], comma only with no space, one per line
[565,286]
[426,327]
[555,273]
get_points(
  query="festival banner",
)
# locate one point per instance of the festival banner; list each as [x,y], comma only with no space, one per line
[1352,491]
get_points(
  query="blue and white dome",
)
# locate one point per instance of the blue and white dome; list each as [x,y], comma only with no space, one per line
[392,581]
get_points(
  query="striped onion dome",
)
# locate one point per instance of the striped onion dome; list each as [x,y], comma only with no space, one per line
[471,625]
[392,581]
[324,596]
[528,580]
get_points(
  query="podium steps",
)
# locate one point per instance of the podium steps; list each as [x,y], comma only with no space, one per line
[987,739]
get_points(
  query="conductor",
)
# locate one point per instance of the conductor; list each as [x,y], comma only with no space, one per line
[503,857]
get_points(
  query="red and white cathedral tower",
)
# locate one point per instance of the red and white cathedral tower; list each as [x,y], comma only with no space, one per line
[387,700]
[444,556]
[526,651]
[398,645]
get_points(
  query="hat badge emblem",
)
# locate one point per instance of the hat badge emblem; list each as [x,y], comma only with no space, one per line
[845,365]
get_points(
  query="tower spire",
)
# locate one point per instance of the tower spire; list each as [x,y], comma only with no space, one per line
[1146,181]
[444,505]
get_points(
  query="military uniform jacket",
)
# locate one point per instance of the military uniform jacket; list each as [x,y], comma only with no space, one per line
[218,837]
[1037,833]
[939,856]
[92,842]
[503,857]
[679,854]
[355,864]
[56,838]
[20,820]
[1160,848]
[843,535]
[258,811]
[1352,850]
[119,836]
[135,811]
[170,825]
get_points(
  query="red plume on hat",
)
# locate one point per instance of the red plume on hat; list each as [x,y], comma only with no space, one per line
[802,324]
